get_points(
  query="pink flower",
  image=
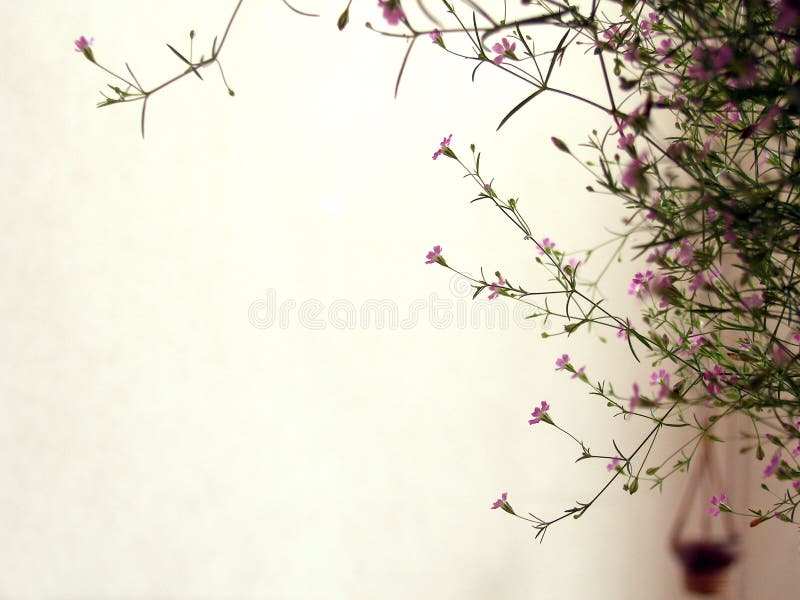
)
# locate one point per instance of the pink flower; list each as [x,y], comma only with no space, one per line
[773,463]
[562,362]
[634,399]
[500,501]
[433,255]
[82,43]
[753,301]
[503,50]
[547,244]
[780,355]
[696,343]
[495,288]
[391,11]
[444,147]
[539,413]
[634,172]
[685,255]
[572,265]
[713,378]
[664,47]
[625,141]
[436,36]
[612,466]
[661,379]
[622,330]
[579,373]
[84,46]
[732,113]
[714,510]
[639,283]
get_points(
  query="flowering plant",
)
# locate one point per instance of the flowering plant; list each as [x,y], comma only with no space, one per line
[713,214]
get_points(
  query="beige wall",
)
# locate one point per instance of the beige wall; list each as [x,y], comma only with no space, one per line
[155,444]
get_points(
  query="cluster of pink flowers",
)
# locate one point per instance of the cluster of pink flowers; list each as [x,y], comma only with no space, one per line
[660,380]
[708,62]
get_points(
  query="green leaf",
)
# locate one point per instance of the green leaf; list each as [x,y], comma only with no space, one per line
[556,52]
[519,106]
[183,58]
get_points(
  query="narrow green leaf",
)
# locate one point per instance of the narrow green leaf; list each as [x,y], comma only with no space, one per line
[519,106]
[555,56]
[191,66]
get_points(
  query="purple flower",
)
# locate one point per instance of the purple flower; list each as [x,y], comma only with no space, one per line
[444,147]
[82,43]
[539,413]
[391,11]
[696,343]
[714,509]
[639,283]
[500,501]
[436,37]
[562,362]
[84,46]
[433,255]
[625,141]
[634,172]
[685,255]
[773,464]
[547,244]
[753,301]
[663,48]
[503,50]
[660,378]
[634,399]
[612,466]
[712,378]
[495,288]
[579,373]
[622,330]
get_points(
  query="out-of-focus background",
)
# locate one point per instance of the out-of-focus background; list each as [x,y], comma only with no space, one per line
[226,371]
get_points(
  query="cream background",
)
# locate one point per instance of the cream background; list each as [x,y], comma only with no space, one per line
[154,444]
